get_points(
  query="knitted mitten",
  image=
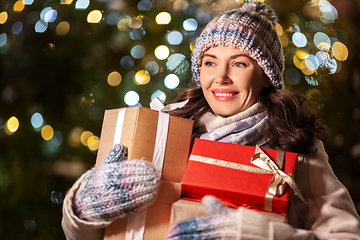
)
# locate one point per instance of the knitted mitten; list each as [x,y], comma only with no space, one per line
[116,187]
[222,223]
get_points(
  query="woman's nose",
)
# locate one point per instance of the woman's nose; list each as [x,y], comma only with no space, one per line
[222,76]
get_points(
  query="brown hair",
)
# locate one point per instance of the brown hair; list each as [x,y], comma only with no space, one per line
[293,127]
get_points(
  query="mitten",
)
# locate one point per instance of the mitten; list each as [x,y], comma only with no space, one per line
[116,187]
[222,223]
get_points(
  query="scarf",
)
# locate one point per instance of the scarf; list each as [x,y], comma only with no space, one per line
[246,128]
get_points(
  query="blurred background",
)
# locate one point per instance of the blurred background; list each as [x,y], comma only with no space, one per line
[64,62]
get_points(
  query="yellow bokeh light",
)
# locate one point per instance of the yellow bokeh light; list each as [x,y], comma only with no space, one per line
[47,132]
[85,136]
[124,23]
[279,29]
[284,40]
[297,62]
[12,124]
[62,28]
[192,44]
[3,17]
[94,16]
[302,54]
[136,22]
[18,6]
[66,2]
[75,136]
[340,51]
[162,52]
[142,77]
[163,18]
[93,143]
[306,70]
[114,79]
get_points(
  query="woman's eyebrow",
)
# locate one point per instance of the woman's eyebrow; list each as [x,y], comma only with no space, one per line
[231,57]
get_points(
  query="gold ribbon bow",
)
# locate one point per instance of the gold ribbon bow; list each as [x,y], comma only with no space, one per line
[278,182]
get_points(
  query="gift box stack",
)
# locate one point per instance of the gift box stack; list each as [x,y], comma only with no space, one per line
[239,176]
[149,135]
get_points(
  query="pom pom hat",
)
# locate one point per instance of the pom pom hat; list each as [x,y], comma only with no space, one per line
[251,28]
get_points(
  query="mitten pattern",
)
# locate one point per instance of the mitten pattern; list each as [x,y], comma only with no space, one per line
[116,187]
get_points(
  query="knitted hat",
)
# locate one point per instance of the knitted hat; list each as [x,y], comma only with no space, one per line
[251,28]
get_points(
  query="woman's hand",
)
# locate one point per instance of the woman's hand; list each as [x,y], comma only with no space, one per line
[116,187]
[222,223]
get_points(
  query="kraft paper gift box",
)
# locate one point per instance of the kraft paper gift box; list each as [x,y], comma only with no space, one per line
[185,209]
[157,217]
[228,171]
[142,130]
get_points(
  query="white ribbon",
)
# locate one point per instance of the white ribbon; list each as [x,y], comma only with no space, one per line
[135,226]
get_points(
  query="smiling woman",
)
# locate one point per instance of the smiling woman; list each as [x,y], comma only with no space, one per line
[231,80]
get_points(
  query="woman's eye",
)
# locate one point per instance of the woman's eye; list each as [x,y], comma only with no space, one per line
[209,64]
[239,64]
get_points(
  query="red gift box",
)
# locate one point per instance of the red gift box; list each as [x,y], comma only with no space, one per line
[227,171]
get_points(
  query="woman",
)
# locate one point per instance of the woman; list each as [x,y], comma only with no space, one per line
[238,65]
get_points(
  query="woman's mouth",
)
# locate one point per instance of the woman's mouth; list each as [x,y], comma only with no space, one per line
[224,95]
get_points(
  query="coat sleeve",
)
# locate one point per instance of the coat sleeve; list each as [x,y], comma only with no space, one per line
[75,228]
[328,214]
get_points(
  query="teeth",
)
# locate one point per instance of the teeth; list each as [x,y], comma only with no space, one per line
[224,94]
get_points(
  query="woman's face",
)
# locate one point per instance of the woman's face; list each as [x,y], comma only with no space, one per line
[231,80]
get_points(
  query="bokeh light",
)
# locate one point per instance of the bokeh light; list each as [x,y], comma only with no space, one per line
[95,16]
[37,120]
[82,4]
[142,77]
[50,16]
[124,23]
[131,98]
[17,28]
[302,53]
[171,81]
[174,38]
[18,6]
[93,143]
[137,52]
[144,5]
[322,41]
[152,67]
[74,138]
[299,39]
[159,94]
[163,18]
[47,132]
[136,22]
[41,26]
[3,39]
[28,2]
[3,17]
[292,76]
[12,125]
[340,51]
[85,136]
[62,28]
[57,139]
[66,2]
[137,33]
[127,62]
[161,52]
[114,79]
[190,24]
[311,62]
[279,29]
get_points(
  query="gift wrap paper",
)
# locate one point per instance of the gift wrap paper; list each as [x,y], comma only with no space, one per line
[137,128]
[157,216]
[220,176]
[185,209]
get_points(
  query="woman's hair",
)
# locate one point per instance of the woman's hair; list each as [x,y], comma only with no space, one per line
[293,127]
